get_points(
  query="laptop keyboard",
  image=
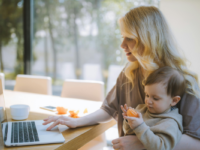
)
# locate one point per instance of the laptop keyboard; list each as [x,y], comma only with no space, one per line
[24,132]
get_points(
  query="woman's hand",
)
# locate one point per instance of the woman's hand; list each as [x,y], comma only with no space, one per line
[129,142]
[64,120]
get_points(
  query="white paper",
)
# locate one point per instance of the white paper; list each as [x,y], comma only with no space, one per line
[62,128]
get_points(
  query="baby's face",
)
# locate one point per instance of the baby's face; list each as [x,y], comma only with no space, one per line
[156,98]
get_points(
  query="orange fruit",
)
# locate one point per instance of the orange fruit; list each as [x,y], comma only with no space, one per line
[85,111]
[132,113]
[61,110]
[74,114]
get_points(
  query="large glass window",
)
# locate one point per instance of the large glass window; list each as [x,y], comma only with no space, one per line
[72,39]
[78,38]
[11,40]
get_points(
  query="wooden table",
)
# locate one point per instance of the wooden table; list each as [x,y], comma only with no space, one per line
[74,138]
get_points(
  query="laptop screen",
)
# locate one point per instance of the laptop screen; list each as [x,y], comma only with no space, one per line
[3,117]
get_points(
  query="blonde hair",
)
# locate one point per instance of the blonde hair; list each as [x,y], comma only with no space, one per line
[148,27]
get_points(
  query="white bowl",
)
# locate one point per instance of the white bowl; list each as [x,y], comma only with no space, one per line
[19,112]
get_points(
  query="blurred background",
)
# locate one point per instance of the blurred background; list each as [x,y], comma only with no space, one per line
[67,39]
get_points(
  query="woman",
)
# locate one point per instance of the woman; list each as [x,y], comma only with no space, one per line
[148,45]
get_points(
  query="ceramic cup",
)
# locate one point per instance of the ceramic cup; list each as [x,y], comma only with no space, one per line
[19,112]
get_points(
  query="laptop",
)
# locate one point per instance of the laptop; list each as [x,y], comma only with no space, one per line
[21,133]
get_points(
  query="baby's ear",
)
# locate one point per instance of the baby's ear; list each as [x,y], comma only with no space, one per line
[175,100]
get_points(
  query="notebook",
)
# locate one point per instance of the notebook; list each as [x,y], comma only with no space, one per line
[21,133]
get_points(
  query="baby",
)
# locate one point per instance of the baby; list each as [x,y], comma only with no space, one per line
[159,125]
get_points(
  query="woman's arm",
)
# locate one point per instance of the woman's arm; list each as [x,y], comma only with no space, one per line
[188,142]
[98,116]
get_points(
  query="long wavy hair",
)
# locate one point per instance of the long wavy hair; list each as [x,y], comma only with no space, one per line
[148,27]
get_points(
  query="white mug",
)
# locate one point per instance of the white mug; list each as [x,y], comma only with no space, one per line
[19,111]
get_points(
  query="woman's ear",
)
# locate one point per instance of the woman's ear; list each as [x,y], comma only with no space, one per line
[175,100]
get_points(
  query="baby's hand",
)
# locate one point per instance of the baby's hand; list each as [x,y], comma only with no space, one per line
[134,121]
[124,109]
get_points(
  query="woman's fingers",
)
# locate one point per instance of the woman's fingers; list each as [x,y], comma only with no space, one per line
[46,119]
[57,122]
[116,144]
[50,119]
[64,120]
[115,141]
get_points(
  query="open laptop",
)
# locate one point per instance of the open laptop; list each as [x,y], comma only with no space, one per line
[23,133]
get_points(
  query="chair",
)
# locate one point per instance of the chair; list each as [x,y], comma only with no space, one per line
[2,79]
[90,90]
[92,72]
[33,84]
[83,89]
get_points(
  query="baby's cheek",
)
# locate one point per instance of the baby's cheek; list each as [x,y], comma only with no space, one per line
[145,101]
[159,108]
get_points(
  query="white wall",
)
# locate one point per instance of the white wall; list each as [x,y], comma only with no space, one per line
[183,16]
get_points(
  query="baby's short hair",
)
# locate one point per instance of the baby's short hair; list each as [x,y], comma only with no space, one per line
[172,78]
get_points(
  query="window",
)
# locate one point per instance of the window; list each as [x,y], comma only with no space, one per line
[11,39]
[70,37]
